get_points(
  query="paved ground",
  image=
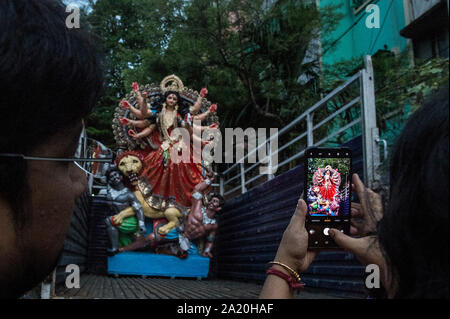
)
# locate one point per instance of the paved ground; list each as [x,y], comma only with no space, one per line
[133,287]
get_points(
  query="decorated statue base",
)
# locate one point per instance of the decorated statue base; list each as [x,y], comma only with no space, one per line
[151,264]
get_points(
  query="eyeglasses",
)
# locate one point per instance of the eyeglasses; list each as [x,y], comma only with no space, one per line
[91,156]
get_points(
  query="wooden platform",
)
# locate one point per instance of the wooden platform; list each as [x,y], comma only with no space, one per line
[132,287]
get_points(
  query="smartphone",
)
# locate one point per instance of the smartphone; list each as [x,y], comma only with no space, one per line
[327,193]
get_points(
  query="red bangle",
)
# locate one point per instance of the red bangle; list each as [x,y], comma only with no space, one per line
[292,282]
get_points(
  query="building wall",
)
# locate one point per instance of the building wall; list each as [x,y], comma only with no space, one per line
[361,40]
[427,27]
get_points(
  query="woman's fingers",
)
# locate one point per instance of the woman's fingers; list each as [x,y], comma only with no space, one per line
[366,249]
[356,210]
[300,214]
[354,231]
[358,185]
[346,242]
[376,204]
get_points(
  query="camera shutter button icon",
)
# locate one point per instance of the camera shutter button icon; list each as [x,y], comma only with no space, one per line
[325,231]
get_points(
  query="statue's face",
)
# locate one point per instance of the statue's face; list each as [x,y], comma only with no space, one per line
[171,100]
[114,178]
[214,204]
[130,166]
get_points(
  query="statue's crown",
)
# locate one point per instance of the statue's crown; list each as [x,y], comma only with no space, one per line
[172,83]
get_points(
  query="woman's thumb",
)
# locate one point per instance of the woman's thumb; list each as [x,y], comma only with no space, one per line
[344,241]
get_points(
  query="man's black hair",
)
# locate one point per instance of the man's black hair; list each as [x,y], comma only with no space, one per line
[414,231]
[50,77]
[218,196]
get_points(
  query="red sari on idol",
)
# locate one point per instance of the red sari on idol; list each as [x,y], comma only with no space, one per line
[167,178]
[328,189]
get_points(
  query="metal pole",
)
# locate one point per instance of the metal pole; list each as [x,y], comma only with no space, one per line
[370,133]
[221,186]
[310,127]
[269,153]
[243,188]
[90,183]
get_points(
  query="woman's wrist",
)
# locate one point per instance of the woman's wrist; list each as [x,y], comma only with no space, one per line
[287,260]
[282,269]
[287,274]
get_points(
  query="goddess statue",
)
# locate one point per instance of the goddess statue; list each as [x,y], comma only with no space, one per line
[143,124]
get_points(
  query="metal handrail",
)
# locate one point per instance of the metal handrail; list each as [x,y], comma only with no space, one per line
[301,117]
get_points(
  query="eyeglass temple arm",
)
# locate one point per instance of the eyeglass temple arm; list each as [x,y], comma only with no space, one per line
[71,159]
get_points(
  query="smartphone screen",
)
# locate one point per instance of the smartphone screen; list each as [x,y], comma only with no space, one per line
[327,194]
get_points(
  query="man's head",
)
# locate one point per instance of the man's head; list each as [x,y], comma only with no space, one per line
[50,78]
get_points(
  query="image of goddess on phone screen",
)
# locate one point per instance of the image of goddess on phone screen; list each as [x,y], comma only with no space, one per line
[328,190]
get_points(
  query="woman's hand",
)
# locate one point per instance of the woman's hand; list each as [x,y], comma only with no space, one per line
[365,215]
[293,249]
[367,250]
[135,86]
[293,252]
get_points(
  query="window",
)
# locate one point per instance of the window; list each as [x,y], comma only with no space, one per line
[359,5]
